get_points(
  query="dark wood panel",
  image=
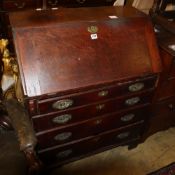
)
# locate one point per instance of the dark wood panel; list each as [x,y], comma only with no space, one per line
[163,116]
[168,64]
[172,69]
[165,89]
[165,107]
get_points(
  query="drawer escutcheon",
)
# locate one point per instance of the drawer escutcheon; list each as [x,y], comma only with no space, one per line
[62,104]
[132,101]
[63,136]
[100,107]
[62,119]
[136,87]
[127,118]
[103,93]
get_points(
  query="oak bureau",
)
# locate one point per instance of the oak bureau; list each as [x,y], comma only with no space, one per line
[87,78]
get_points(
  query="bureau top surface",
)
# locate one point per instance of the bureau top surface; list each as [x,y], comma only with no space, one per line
[72,49]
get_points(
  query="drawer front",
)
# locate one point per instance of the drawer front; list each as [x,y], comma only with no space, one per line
[42,123]
[15,5]
[76,149]
[166,89]
[122,89]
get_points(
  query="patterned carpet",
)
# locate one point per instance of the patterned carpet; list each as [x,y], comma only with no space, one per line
[167,170]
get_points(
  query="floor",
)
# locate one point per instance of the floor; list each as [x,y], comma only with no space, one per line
[156,152]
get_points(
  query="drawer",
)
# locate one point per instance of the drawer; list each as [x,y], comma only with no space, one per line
[166,89]
[88,128]
[50,121]
[14,5]
[90,145]
[121,89]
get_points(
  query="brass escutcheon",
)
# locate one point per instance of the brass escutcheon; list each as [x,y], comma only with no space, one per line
[103,93]
[100,106]
[93,29]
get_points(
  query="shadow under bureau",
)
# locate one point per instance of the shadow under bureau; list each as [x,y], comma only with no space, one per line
[87,77]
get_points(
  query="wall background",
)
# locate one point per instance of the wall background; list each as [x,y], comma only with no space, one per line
[142,5]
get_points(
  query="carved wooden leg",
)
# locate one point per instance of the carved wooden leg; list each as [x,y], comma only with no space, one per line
[34,164]
[26,135]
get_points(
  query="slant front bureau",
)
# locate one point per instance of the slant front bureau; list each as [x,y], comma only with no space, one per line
[88,78]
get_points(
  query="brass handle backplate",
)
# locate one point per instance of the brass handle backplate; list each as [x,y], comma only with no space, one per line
[63,136]
[62,104]
[62,119]
[136,87]
[127,118]
[132,101]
